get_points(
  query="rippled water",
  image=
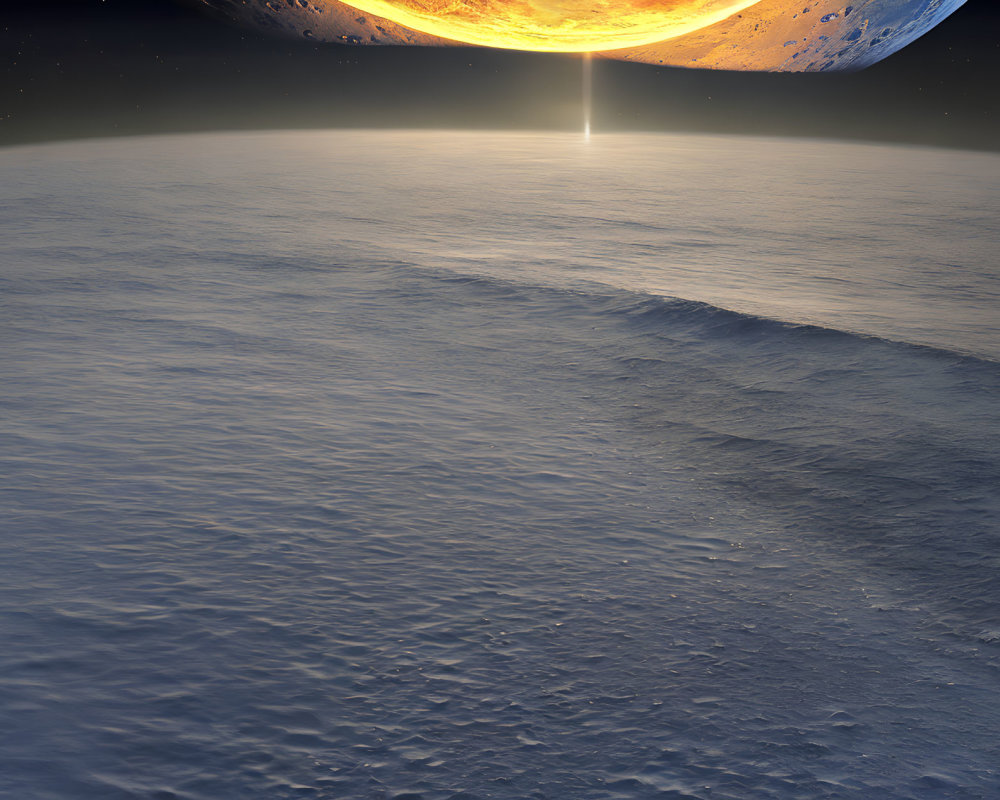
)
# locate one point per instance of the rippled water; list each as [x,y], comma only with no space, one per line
[389,465]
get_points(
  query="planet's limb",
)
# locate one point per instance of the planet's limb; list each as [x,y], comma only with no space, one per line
[800,36]
[321,21]
[769,35]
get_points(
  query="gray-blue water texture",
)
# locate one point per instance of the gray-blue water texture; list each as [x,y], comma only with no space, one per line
[462,465]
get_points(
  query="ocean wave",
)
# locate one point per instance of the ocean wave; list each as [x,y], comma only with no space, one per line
[886,451]
[653,311]
[291,510]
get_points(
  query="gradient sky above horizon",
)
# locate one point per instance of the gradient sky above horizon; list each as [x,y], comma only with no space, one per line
[91,68]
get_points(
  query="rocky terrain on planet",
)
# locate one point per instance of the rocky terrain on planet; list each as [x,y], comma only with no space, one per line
[773,35]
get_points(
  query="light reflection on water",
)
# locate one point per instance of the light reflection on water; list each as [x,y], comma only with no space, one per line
[350,465]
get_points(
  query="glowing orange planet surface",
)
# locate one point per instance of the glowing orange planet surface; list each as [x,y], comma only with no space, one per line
[555,25]
[767,35]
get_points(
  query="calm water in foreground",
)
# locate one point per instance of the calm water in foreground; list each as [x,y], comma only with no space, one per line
[436,465]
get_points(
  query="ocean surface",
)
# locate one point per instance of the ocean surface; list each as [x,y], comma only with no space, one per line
[454,466]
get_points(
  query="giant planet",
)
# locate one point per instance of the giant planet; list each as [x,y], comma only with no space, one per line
[770,35]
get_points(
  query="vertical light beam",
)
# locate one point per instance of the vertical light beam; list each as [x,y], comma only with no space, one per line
[588,93]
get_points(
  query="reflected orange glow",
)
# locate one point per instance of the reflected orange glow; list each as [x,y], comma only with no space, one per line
[555,25]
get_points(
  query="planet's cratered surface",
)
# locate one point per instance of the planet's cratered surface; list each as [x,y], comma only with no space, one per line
[774,35]
[555,25]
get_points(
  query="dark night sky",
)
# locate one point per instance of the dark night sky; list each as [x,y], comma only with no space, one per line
[93,67]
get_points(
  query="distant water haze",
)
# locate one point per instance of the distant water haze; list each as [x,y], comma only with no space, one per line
[890,241]
[457,466]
